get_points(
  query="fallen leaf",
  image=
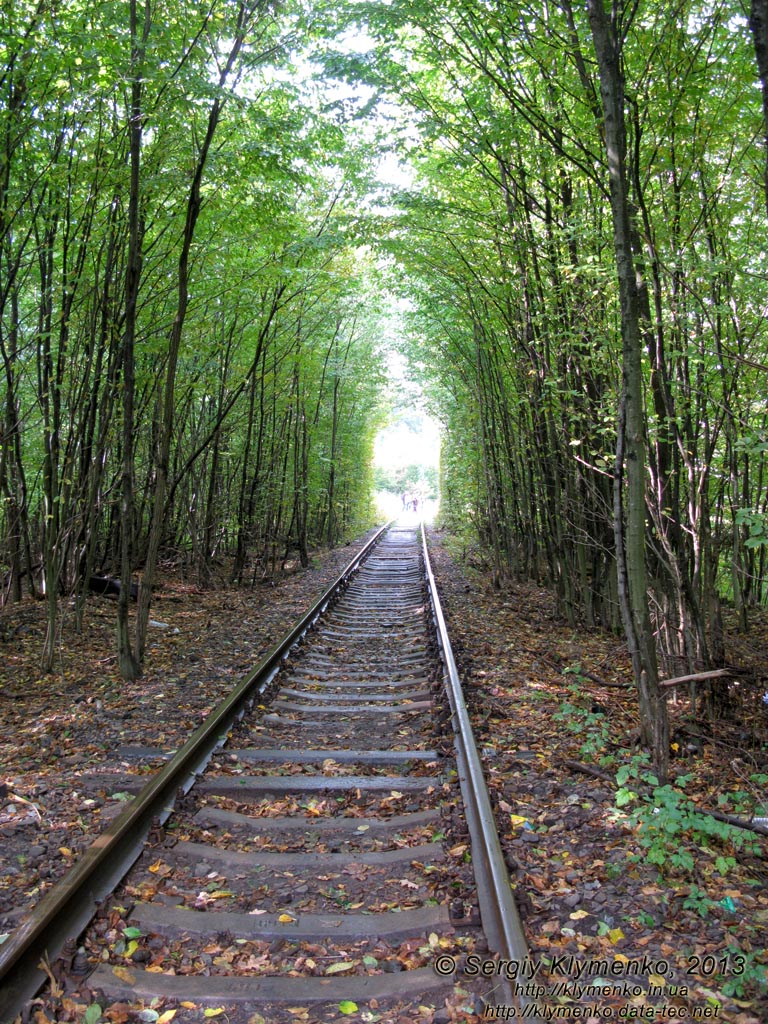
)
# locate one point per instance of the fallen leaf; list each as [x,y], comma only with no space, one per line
[124,975]
[344,965]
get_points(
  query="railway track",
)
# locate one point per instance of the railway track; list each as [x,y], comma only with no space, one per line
[322,848]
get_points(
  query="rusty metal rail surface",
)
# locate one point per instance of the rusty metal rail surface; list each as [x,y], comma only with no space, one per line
[344,780]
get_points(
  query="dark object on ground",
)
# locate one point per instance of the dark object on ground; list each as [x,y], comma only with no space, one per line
[109,585]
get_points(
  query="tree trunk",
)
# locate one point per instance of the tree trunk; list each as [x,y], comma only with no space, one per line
[629,508]
[130,666]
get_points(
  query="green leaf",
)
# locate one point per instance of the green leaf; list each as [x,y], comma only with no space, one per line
[92,1014]
[624,796]
[347,1006]
[131,932]
[343,965]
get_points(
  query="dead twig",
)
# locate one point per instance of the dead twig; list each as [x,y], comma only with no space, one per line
[587,769]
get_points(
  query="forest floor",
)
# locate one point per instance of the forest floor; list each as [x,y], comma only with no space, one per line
[632,911]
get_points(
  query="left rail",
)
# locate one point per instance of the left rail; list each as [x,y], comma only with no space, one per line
[68,907]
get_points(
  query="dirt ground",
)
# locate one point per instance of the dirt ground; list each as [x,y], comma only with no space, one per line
[638,905]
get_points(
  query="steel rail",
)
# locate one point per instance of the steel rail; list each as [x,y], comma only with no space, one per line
[498,910]
[66,909]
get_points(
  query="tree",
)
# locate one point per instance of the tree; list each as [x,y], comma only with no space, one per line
[130,664]
[629,509]
[519,261]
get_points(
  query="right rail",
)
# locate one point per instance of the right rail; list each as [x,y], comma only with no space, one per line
[498,910]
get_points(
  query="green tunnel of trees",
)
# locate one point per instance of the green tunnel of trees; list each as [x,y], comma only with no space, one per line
[198,258]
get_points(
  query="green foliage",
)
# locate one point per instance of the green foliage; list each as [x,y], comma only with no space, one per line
[755,522]
[670,828]
[276,398]
[747,974]
[414,477]
[698,901]
[747,802]
[592,727]
[495,247]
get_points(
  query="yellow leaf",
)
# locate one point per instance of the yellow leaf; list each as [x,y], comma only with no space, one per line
[187,1005]
[164,1018]
[286,919]
[615,935]
[213,1011]
[657,979]
[124,975]
[159,969]
[131,948]
[65,851]
[517,819]
[578,915]
[154,868]
[456,851]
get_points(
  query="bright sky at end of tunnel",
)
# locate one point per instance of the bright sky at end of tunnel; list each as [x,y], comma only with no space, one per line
[406,460]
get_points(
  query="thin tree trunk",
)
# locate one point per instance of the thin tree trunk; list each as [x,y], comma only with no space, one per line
[130,666]
[629,509]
